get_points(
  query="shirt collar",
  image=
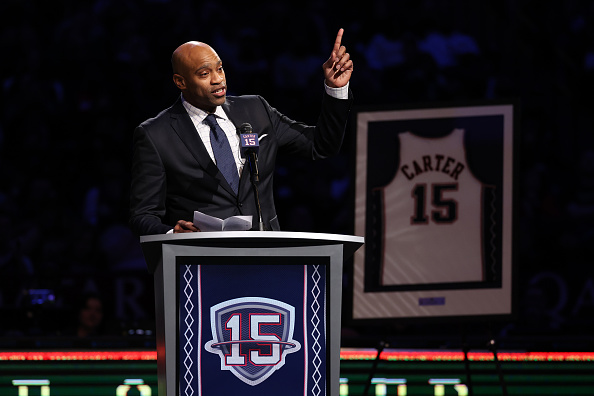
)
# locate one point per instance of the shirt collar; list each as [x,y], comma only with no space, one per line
[201,114]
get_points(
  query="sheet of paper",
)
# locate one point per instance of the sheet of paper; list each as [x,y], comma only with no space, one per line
[208,223]
[237,223]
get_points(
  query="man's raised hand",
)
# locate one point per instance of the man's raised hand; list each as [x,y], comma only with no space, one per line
[339,67]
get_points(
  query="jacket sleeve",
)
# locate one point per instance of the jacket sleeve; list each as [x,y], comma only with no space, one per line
[148,187]
[315,142]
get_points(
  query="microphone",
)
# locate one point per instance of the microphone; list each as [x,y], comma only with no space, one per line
[249,146]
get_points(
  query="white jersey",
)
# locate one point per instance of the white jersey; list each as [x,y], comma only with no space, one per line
[432,214]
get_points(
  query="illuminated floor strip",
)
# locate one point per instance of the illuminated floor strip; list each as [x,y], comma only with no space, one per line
[345,354]
[396,355]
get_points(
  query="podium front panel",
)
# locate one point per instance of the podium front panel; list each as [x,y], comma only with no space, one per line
[252,321]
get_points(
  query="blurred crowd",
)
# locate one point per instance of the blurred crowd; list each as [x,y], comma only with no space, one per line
[76,77]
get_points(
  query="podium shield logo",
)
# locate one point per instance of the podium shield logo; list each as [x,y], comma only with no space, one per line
[252,336]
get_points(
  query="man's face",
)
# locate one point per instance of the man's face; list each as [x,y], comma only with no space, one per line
[202,80]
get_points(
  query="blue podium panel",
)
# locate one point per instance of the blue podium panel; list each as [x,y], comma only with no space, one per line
[254,328]
[253,321]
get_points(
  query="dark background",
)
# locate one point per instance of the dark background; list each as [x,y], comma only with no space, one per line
[78,76]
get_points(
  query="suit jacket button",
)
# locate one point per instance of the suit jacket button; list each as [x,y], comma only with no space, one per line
[240,204]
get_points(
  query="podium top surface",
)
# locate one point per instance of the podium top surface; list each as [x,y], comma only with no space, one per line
[151,244]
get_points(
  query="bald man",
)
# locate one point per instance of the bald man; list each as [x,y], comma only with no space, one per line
[174,170]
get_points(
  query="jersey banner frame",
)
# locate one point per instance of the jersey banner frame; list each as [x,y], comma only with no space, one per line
[434,198]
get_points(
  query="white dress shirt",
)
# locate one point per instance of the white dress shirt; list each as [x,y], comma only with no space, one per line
[198,115]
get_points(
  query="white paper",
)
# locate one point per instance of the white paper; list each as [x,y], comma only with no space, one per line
[208,223]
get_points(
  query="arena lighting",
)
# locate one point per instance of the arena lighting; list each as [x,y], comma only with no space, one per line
[345,354]
[396,355]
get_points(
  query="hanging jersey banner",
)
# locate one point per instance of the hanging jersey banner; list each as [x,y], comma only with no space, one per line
[432,215]
[434,200]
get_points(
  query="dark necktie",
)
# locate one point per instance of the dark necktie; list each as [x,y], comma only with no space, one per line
[222,152]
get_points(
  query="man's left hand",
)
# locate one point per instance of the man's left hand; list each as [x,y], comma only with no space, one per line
[339,67]
[185,226]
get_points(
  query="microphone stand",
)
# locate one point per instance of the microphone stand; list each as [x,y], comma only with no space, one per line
[255,179]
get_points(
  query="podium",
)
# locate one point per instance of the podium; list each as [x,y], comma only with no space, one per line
[250,313]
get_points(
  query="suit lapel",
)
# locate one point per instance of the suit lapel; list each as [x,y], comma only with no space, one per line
[184,128]
[237,118]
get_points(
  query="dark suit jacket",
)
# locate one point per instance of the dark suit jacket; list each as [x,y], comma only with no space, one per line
[173,175]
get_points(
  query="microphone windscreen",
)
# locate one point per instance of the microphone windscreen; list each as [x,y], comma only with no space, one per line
[245,128]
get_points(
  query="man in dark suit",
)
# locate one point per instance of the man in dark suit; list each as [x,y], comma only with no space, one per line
[174,171]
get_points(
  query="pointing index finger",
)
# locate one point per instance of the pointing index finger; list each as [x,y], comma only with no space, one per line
[338,41]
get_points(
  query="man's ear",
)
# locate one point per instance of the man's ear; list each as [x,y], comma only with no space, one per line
[179,81]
